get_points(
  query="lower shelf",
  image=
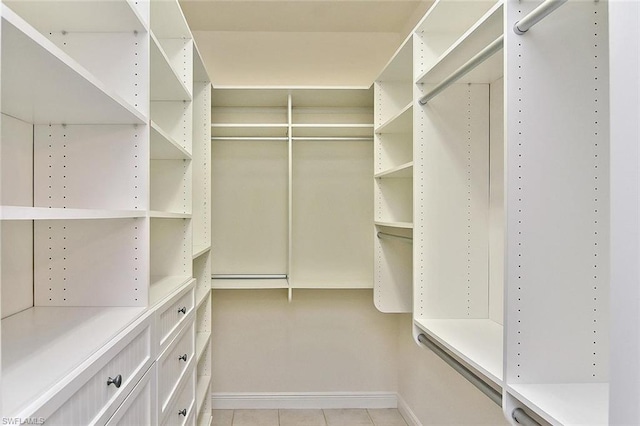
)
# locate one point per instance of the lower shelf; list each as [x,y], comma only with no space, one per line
[43,345]
[477,342]
[248,284]
[202,391]
[567,403]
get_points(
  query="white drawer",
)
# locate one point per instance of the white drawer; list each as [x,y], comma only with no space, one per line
[182,411]
[172,314]
[140,406]
[176,362]
[102,387]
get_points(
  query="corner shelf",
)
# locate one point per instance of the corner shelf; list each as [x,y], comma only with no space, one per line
[164,147]
[199,250]
[403,225]
[402,171]
[402,122]
[166,85]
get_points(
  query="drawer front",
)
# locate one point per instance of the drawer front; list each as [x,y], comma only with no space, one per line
[139,408]
[98,398]
[182,409]
[175,362]
[173,313]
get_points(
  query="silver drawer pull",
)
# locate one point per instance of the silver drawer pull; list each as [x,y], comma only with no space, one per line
[183,412]
[117,382]
[183,358]
[182,310]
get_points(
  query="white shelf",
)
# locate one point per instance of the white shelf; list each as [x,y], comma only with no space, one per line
[201,391]
[41,346]
[162,286]
[477,342]
[401,171]
[400,66]
[199,250]
[169,215]
[404,225]
[166,84]
[44,213]
[79,16]
[566,403]
[202,340]
[249,130]
[48,86]
[346,130]
[402,122]
[203,299]
[257,284]
[480,35]
[164,147]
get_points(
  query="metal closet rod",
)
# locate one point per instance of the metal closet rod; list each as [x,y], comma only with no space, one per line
[384,235]
[493,394]
[248,276]
[479,58]
[536,15]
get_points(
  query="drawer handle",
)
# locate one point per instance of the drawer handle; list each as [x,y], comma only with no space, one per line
[183,358]
[182,310]
[183,412]
[117,382]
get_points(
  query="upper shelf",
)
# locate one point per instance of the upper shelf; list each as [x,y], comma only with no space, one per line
[402,122]
[487,29]
[400,67]
[164,147]
[166,84]
[332,130]
[44,213]
[48,86]
[401,171]
[98,16]
[168,21]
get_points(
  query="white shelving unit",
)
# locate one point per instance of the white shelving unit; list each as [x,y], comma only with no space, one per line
[306,149]
[105,179]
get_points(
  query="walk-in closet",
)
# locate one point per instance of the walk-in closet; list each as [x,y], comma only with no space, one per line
[319,213]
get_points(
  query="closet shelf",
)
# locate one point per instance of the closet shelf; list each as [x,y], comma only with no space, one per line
[332,130]
[168,215]
[44,213]
[400,66]
[43,346]
[201,391]
[166,84]
[202,341]
[49,87]
[402,122]
[71,16]
[250,130]
[566,403]
[477,342]
[401,171]
[199,250]
[161,287]
[250,284]
[481,34]
[404,225]
[164,147]
[202,299]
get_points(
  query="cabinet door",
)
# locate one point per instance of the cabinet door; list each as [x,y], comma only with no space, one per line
[140,406]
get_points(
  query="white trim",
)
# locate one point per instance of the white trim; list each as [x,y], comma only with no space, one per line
[407,413]
[304,400]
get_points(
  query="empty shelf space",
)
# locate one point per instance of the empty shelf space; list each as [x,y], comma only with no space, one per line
[43,345]
[402,122]
[199,250]
[477,342]
[403,225]
[566,403]
[401,171]
[48,86]
[166,84]
[163,286]
[44,213]
[164,147]
[480,35]
[202,341]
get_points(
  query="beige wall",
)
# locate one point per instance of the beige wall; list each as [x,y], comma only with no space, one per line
[335,341]
[323,341]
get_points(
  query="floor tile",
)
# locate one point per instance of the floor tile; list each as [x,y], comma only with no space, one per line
[347,417]
[255,418]
[386,417]
[302,418]
[222,417]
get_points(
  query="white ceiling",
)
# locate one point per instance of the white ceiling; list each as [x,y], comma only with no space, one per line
[299,42]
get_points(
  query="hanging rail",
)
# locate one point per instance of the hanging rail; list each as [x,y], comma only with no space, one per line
[521,417]
[479,58]
[384,235]
[493,394]
[249,276]
[536,15]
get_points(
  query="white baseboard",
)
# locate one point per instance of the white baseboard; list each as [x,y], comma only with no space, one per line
[234,401]
[407,413]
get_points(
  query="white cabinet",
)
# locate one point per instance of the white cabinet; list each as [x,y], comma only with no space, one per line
[140,406]
[104,140]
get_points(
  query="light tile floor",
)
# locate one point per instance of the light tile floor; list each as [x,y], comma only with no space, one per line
[344,417]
